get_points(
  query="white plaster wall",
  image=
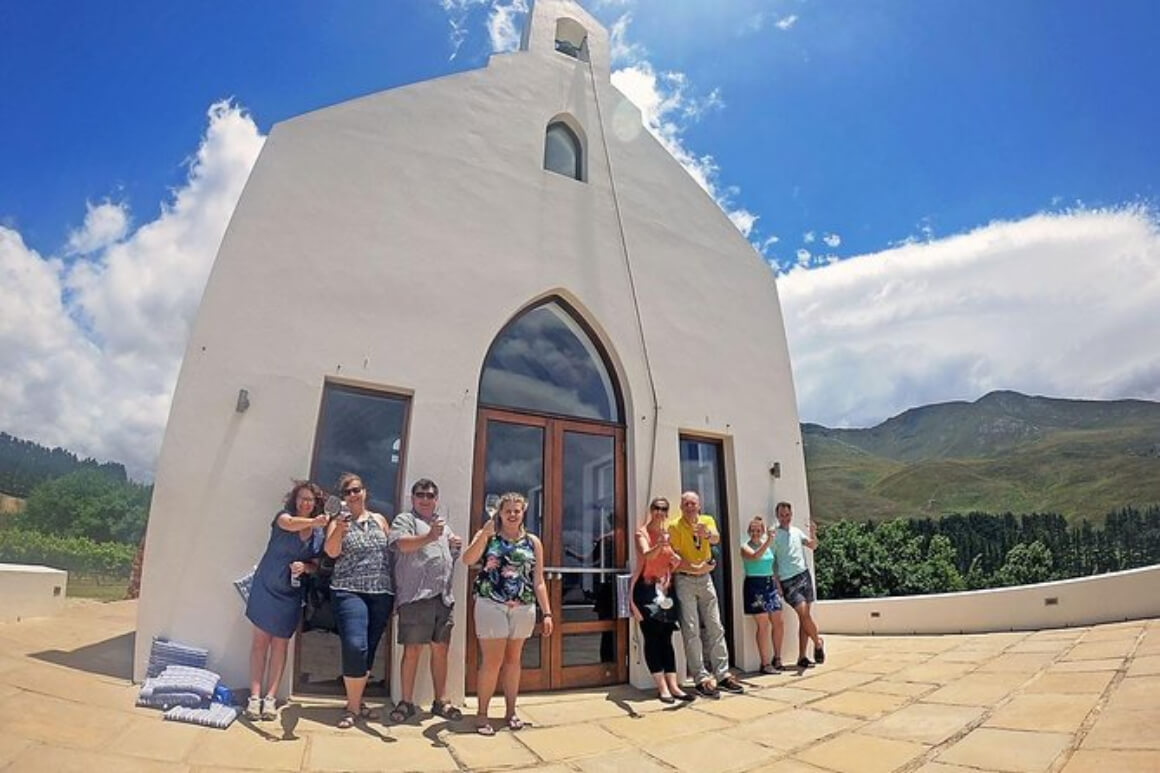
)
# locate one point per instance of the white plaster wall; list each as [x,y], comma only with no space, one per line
[30,590]
[386,241]
[1130,595]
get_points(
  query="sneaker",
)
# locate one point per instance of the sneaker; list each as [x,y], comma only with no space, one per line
[804,662]
[770,668]
[777,666]
[731,684]
[706,689]
[254,708]
[269,709]
[819,655]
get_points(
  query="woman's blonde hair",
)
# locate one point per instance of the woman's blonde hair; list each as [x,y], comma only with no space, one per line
[518,498]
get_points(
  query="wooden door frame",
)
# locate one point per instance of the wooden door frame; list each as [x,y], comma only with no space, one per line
[552,674]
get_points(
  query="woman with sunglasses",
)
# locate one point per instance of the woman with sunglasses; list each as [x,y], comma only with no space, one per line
[361,589]
[507,588]
[654,605]
[275,602]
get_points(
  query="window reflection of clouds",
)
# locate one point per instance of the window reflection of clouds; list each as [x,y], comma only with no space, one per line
[588,500]
[543,361]
[361,433]
[515,462]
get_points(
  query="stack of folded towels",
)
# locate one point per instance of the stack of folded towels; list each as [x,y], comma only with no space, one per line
[180,685]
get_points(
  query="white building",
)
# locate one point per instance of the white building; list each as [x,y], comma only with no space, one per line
[500,281]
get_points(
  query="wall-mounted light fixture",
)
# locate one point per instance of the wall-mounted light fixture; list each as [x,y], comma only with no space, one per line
[243,401]
[775,470]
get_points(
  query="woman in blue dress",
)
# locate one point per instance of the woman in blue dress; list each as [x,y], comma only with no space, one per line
[275,603]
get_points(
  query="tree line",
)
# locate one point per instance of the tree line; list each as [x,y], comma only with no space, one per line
[957,552]
[24,465]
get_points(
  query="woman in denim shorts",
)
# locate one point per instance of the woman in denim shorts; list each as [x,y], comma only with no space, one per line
[760,592]
[507,587]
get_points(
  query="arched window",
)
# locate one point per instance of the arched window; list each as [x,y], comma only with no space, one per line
[572,39]
[562,151]
[545,362]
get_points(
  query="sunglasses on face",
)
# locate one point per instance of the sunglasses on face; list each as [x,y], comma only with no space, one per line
[346,492]
[662,508]
[424,495]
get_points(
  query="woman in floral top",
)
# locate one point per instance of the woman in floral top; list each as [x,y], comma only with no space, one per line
[506,590]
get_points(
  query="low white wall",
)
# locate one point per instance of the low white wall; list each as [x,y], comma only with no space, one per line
[31,591]
[1104,598]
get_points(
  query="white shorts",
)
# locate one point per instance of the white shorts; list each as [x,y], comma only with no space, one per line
[501,621]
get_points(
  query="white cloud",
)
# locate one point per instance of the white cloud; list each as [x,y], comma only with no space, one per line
[754,23]
[803,257]
[809,237]
[744,220]
[105,224]
[622,51]
[89,351]
[667,108]
[502,27]
[1064,305]
[832,240]
[503,17]
[786,22]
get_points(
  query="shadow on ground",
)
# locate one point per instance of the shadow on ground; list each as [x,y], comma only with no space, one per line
[111,657]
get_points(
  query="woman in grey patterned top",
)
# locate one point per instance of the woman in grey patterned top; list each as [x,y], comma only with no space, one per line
[361,590]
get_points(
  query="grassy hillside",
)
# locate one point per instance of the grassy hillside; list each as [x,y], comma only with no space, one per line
[1004,452]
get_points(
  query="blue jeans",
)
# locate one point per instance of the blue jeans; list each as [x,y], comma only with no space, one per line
[361,620]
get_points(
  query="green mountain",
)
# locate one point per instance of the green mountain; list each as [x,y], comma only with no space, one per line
[1005,452]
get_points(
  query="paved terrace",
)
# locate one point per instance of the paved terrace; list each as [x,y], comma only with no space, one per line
[1073,700]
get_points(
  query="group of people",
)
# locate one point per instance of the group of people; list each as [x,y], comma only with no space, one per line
[673,589]
[405,565]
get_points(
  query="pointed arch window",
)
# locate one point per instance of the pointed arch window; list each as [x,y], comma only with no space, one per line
[544,361]
[563,153]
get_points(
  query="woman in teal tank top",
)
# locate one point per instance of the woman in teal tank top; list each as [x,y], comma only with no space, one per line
[760,592]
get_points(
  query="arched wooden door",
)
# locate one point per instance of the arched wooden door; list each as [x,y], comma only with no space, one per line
[549,426]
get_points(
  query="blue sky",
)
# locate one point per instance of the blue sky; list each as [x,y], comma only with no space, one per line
[871,120]
[926,178]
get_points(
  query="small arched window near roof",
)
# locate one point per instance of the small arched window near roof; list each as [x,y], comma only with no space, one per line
[563,153]
[572,39]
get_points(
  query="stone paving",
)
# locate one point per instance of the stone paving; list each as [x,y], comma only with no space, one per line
[1084,699]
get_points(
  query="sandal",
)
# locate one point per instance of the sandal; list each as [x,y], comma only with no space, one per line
[402,712]
[347,721]
[366,712]
[446,710]
[515,723]
[485,728]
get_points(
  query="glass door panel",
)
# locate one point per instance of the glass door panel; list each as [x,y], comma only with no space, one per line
[510,456]
[591,553]
[703,471]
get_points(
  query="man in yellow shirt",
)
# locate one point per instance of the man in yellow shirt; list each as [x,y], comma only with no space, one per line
[692,536]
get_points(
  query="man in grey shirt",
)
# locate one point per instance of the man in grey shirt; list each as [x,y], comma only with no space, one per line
[425,554]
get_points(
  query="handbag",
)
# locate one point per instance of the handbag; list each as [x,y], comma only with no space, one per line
[243,584]
[318,611]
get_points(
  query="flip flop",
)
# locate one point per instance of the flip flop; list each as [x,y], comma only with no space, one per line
[485,729]
[515,723]
[366,712]
[347,721]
